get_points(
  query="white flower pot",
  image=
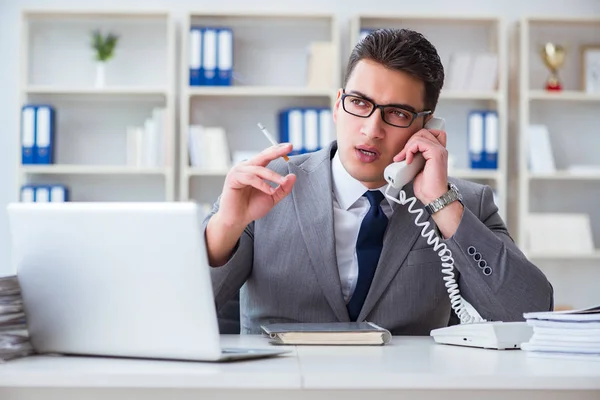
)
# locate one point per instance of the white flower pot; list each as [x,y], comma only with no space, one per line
[100,74]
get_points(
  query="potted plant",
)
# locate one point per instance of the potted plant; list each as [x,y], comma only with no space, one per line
[104,47]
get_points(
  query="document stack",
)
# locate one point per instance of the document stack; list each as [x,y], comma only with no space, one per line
[567,334]
[14,340]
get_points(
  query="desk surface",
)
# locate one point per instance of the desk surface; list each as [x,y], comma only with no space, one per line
[406,363]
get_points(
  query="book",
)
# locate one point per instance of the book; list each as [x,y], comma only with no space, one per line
[328,333]
[584,314]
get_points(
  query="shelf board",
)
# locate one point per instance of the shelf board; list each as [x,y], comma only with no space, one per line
[97,13]
[206,172]
[565,256]
[110,90]
[474,173]
[466,95]
[67,169]
[429,18]
[563,20]
[565,95]
[566,175]
[258,91]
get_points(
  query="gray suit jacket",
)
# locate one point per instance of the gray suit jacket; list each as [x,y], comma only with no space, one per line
[285,263]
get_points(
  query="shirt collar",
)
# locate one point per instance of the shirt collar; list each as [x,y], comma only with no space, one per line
[348,190]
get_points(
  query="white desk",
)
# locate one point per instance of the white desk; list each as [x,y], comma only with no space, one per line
[409,367]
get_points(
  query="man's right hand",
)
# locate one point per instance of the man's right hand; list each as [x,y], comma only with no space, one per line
[246,197]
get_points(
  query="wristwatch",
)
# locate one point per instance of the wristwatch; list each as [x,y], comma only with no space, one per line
[447,198]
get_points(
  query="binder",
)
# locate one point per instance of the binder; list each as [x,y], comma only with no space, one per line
[311,130]
[42,194]
[325,127]
[209,56]
[475,139]
[44,137]
[195,54]
[28,149]
[291,128]
[224,57]
[491,140]
[59,194]
[27,194]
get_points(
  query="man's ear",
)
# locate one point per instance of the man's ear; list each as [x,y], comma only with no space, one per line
[338,103]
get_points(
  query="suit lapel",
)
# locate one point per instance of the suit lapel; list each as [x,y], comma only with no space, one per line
[399,239]
[312,194]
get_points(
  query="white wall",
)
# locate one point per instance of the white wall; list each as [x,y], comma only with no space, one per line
[512,10]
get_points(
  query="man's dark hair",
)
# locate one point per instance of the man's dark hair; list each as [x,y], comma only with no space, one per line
[402,50]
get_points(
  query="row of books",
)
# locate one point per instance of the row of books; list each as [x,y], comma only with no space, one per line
[148,145]
[476,72]
[210,56]
[307,129]
[482,134]
[44,193]
[208,148]
[38,124]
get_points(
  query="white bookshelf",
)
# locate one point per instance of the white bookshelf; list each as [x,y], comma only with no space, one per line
[450,34]
[270,74]
[90,150]
[571,117]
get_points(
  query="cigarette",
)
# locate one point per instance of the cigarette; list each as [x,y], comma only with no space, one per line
[273,141]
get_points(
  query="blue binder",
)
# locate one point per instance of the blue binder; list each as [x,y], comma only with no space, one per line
[42,193]
[224,57]
[291,129]
[325,127]
[44,134]
[59,193]
[475,137]
[28,149]
[491,134]
[27,194]
[195,55]
[209,56]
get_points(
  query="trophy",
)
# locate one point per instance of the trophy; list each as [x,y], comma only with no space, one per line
[554,57]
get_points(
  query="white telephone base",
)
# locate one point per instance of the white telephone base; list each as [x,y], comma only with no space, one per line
[487,335]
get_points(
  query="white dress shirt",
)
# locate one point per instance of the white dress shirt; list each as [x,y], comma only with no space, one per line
[349,209]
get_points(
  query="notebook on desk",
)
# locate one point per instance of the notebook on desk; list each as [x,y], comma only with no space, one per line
[330,333]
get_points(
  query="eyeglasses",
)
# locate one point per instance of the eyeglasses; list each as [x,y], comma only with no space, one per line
[391,114]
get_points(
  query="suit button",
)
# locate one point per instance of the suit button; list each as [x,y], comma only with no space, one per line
[477,256]
[471,250]
[482,264]
[487,271]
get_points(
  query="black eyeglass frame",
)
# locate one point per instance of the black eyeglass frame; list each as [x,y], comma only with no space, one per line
[415,115]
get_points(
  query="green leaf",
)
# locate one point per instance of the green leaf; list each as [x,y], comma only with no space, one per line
[104,46]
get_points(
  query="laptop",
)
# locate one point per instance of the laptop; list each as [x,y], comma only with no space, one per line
[118,279]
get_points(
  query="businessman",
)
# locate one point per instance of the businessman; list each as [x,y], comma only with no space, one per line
[315,240]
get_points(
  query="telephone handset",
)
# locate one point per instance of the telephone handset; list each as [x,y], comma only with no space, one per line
[400,173]
[473,330]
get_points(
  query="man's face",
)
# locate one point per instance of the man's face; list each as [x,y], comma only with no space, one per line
[367,145]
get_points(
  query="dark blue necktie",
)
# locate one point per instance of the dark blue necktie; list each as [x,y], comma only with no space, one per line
[368,250]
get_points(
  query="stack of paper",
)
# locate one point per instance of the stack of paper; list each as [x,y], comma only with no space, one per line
[14,340]
[569,333]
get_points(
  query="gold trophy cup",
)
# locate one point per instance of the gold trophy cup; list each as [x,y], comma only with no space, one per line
[554,57]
